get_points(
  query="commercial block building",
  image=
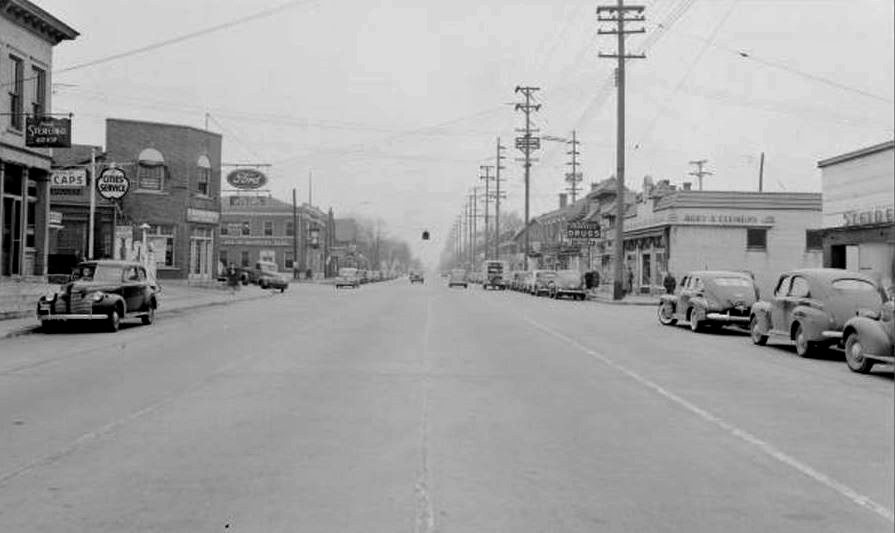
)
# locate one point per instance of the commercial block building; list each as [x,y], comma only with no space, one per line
[174,199]
[27,37]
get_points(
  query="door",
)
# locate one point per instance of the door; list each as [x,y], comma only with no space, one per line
[132,289]
[779,304]
[12,236]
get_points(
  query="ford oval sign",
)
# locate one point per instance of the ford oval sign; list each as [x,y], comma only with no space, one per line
[247,178]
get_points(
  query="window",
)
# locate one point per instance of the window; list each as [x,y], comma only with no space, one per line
[782,287]
[269,256]
[290,228]
[16,88]
[268,229]
[161,242]
[204,176]
[225,229]
[130,274]
[799,288]
[39,98]
[814,239]
[757,239]
[244,258]
[150,170]
[246,228]
[222,256]
[288,261]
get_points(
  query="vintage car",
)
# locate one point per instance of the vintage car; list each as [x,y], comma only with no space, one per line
[810,307]
[457,278]
[416,277]
[869,339]
[106,291]
[520,280]
[710,298]
[537,283]
[266,276]
[348,277]
[567,283]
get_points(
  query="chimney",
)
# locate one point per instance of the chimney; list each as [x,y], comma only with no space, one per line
[563,199]
[688,186]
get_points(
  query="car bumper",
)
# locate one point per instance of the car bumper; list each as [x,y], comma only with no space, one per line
[727,317]
[71,316]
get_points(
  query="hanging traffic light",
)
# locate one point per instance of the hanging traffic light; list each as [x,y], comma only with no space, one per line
[426,235]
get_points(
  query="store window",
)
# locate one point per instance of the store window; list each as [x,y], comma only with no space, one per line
[288,261]
[161,241]
[290,229]
[244,258]
[204,176]
[39,98]
[151,170]
[268,228]
[757,239]
[814,239]
[16,88]
[222,256]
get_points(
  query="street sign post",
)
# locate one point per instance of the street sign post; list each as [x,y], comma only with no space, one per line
[533,143]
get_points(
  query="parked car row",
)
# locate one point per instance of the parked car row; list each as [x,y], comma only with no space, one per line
[551,283]
[355,277]
[813,309]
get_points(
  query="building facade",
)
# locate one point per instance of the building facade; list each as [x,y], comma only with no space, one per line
[174,200]
[27,37]
[258,227]
[859,211]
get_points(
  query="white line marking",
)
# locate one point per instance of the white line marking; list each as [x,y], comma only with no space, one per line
[741,434]
[424,520]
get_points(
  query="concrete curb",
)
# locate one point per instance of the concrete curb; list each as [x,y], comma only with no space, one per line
[33,328]
[622,302]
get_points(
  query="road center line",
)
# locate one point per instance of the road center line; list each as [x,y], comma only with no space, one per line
[424,519]
[737,432]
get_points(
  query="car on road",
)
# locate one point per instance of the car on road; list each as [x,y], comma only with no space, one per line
[494,274]
[869,339]
[710,298]
[267,276]
[810,307]
[102,290]
[416,277]
[567,283]
[537,283]
[457,278]
[348,277]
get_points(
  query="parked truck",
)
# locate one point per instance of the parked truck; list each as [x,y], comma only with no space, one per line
[494,274]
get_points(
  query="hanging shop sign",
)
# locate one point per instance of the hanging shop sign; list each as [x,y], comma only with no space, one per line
[246,179]
[68,178]
[47,132]
[112,184]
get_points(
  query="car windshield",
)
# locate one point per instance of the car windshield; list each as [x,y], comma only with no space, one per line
[471,266]
[94,272]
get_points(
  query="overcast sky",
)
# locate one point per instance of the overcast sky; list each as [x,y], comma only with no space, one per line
[394,104]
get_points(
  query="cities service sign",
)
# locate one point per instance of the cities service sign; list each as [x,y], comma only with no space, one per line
[112,184]
[246,179]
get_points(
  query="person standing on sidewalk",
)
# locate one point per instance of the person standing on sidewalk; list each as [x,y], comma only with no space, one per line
[669,282]
[232,279]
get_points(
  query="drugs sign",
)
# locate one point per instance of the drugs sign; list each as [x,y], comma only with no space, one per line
[583,230]
[112,184]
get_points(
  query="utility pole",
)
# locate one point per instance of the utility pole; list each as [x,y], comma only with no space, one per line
[700,173]
[619,14]
[92,221]
[294,235]
[761,173]
[497,199]
[468,255]
[487,179]
[574,178]
[527,143]
[475,216]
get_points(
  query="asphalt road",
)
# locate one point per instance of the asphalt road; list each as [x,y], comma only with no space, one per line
[398,408]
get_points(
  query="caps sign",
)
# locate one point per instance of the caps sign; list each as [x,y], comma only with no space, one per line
[112,184]
[247,178]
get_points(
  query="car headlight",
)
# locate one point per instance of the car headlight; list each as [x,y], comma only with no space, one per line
[98,295]
[48,296]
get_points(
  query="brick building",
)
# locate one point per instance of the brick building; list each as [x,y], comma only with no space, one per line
[174,197]
[258,227]
[27,37]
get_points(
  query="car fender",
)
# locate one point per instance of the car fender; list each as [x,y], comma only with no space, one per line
[813,321]
[109,302]
[699,306]
[872,334]
[761,312]
[669,301]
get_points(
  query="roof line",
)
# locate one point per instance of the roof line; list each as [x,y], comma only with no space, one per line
[888,145]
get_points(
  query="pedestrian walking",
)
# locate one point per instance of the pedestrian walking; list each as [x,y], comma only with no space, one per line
[630,281]
[232,279]
[669,282]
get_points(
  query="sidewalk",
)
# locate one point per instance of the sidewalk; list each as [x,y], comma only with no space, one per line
[604,295]
[176,295]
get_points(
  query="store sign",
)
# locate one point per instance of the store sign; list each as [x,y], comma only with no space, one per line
[246,179]
[112,184]
[202,216]
[583,230]
[68,178]
[47,132]
[861,217]
[718,219]
[55,218]
[256,241]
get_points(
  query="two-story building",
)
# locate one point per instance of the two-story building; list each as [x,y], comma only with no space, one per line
[27,37]
[174,197]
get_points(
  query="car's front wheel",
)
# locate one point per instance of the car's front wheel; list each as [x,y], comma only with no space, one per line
[666,315]
[114,321]
[758,337]
[149,317]
[695,323]
[804,347]
[854,355]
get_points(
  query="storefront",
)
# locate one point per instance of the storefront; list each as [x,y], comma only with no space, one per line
[859,211]
[23,215]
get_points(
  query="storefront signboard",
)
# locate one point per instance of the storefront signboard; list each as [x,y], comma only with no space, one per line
[202,216]
[112,184]
[55,218]
[583,230]
[256,241]
[48,132]
[68,178]
[862,217]
[246,179]
[723,219]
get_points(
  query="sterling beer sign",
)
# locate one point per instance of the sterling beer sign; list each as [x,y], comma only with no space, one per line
[112,184]
[46,132]
[246,179]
